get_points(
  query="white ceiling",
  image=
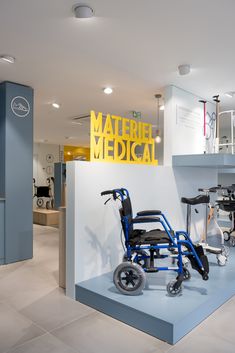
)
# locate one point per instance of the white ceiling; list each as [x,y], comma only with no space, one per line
[135,46]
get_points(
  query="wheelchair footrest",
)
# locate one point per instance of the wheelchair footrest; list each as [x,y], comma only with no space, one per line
[202,257]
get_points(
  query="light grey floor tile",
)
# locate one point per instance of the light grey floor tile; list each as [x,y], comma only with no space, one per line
[25,285]
[219,325]
[213,335]
[98,333]
[203,344]
[43,344]
[55,310]
[25,282]
[15,329]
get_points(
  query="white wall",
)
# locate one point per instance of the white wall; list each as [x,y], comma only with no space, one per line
[43,167]
[93,230]
[184,137]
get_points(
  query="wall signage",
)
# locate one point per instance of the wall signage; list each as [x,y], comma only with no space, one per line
[136,115]
[188,118]
[121,140]
[20,106]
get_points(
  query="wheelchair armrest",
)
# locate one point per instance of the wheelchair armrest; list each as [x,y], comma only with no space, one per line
[145,219]
[149,213]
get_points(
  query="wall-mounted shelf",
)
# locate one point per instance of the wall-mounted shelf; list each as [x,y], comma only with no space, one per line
[215,160]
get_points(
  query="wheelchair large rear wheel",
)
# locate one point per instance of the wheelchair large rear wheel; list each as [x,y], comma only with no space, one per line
[129,278]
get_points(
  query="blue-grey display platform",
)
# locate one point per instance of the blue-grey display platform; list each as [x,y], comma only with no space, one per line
[216,160]
[154,312]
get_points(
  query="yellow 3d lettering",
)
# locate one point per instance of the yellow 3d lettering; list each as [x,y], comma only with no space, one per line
[121,140]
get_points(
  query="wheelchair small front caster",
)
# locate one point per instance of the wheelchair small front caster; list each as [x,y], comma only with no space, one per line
[129,278]
[232,241]
[174,288]
[226,235]
[205,276]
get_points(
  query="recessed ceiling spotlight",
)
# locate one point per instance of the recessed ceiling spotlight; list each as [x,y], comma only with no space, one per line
[158,139]
[184,69]
[230,94]
[108,90]
[7,59]
[83,11]
[56,105]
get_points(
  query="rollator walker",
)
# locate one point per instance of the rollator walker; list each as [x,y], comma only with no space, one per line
[145,248]
[221,252]
[227,204]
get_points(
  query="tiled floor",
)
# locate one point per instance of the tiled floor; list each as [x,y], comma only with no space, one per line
[36,317]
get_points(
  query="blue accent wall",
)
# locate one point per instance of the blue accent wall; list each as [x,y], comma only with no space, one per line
[2,140]
[2,232]
[16,165]
[60,180]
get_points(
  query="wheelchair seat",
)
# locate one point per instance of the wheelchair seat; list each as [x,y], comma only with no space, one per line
[152,237]
[141,236]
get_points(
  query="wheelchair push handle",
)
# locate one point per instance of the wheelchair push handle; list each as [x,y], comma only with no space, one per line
[107,192]
[116,194]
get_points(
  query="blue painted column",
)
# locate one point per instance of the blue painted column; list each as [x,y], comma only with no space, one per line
[59,185]
[16,169]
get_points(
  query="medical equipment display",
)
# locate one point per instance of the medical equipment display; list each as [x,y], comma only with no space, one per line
[227,204]
[145,248]
[221,252]
[45,191]
[227,119]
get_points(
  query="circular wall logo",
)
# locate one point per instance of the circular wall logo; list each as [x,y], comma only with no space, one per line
[20,106]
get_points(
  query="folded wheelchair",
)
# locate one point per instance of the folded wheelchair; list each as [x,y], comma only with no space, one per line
[41,192]
[144,248]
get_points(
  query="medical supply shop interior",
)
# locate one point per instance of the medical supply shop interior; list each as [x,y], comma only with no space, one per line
[117,176]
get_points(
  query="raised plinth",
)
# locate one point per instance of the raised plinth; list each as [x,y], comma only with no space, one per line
[154,312]
[45,217]
[215,160]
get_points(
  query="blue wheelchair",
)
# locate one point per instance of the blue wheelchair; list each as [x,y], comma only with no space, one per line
[143,248]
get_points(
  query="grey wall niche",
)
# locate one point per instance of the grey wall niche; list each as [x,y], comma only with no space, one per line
[16,169]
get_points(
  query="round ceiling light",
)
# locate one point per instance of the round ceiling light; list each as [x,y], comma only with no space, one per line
[56,105]
[7,59]
[108,90]
[184,69]
[83,11]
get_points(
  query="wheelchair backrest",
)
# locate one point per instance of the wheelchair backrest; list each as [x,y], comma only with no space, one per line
[126,211]
[43,191]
